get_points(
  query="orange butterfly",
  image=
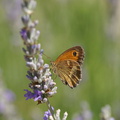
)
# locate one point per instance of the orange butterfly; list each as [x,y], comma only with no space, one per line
[68,66]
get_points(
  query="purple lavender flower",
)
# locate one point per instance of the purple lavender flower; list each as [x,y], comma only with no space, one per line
[23,33]
[36,95]
[29,94]
[47,115]
[39,74]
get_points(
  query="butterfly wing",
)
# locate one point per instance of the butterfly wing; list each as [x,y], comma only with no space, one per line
[68,66]
[75,53]
[69,72]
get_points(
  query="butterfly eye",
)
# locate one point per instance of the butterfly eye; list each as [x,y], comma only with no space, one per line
[74,53]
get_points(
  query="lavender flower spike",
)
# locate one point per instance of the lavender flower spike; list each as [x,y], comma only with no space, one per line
[39,74]
[48,115]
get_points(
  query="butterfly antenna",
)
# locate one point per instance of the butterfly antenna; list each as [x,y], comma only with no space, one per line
[47,56]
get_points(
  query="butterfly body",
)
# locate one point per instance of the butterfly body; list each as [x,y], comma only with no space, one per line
[68,66]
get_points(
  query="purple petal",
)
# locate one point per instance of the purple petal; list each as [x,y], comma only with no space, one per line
[23,33]
[36,95]
[46,115]
[28,95]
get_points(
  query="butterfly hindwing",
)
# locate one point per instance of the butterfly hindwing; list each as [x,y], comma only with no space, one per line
[69,72]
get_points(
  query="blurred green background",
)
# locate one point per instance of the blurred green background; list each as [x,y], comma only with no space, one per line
[93,24]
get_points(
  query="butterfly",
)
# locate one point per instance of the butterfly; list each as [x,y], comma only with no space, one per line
[68,66]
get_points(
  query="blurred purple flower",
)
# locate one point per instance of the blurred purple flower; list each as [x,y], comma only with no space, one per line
[46,115]
[2,108]
[9,95]
[8,110]
[85,114]
[12,12]
[12,9]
